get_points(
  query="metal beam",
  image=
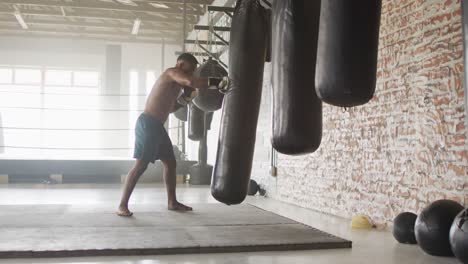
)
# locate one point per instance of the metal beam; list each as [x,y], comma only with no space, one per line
[96,5]
[100,33]
[200,27]
[199,8]
[213,55]
[220,38]
[221,9]
[203,42]
[67,23]
[177,53]
[184,24]
[77,37]
[105,16]
[197,2]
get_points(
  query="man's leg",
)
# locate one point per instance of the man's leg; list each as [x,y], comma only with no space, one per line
[170,180]
[130,182]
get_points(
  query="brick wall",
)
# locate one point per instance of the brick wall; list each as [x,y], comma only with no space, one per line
[405,148]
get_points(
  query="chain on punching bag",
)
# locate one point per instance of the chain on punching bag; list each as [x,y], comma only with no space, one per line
[347,51]
[247,53]
[297,111]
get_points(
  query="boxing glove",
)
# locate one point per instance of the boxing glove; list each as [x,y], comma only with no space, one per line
[187,96]
[221,84]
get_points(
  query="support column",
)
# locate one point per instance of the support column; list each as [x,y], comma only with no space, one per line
[113,73]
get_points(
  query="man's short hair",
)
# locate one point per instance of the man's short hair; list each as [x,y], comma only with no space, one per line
[188,58]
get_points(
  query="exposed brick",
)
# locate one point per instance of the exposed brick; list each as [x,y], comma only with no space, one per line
[404,149]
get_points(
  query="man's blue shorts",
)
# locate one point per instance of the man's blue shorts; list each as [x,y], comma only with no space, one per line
[151,140]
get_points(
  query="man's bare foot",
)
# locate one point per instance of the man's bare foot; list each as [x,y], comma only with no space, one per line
[123,211]
[176,206]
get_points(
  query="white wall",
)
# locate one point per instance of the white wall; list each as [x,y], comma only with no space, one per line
[53,53]
[143,58]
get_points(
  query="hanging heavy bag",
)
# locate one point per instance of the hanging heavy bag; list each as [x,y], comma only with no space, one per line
[182,113]
[347,51]
[247,53]
[297,111]
[196,123]
[209,100]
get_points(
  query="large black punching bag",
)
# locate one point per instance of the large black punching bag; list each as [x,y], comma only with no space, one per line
[459,236]
[196,123]
[347,51]
[297,111]
[209,100]
[247,53]
[182,113]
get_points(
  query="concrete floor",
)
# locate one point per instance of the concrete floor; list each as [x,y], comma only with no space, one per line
[368,246]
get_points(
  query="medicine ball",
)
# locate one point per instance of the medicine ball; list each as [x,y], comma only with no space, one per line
[459,236]
[209,100]
[253,188]
[433,225]
[403,228]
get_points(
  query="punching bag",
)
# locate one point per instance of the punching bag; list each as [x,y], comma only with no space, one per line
[182,113]
[196,123]
[269,36]
[297,111]
[347,51]
[459,236]
[209,100]
[200,173]
[238,127]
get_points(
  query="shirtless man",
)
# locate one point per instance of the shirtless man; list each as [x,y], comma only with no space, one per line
[151,139]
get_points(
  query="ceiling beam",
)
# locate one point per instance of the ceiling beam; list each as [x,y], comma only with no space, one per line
[204,42]
[108,16]
[92,32]
[96,5]
[203,27]
[114,26]
[197,2]
[77,37]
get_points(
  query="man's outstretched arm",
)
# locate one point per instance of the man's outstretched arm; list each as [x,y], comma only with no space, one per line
[184,79]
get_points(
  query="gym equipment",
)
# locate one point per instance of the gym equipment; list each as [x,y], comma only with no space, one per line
[432,227]
[187,95]
[182,113]
[247,52]
[403,228]
[269,39]
[361,222]
[209,100]
[253,188]
[261,191]
[196,123]
[296,110]
[347,51]
[200,173]
[459,236]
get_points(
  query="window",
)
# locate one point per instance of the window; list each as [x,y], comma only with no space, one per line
[28,76]
[133,82]
[150,80]
[86,78]
[6,76]
[58,77]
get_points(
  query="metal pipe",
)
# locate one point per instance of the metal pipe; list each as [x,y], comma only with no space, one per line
[184,24]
